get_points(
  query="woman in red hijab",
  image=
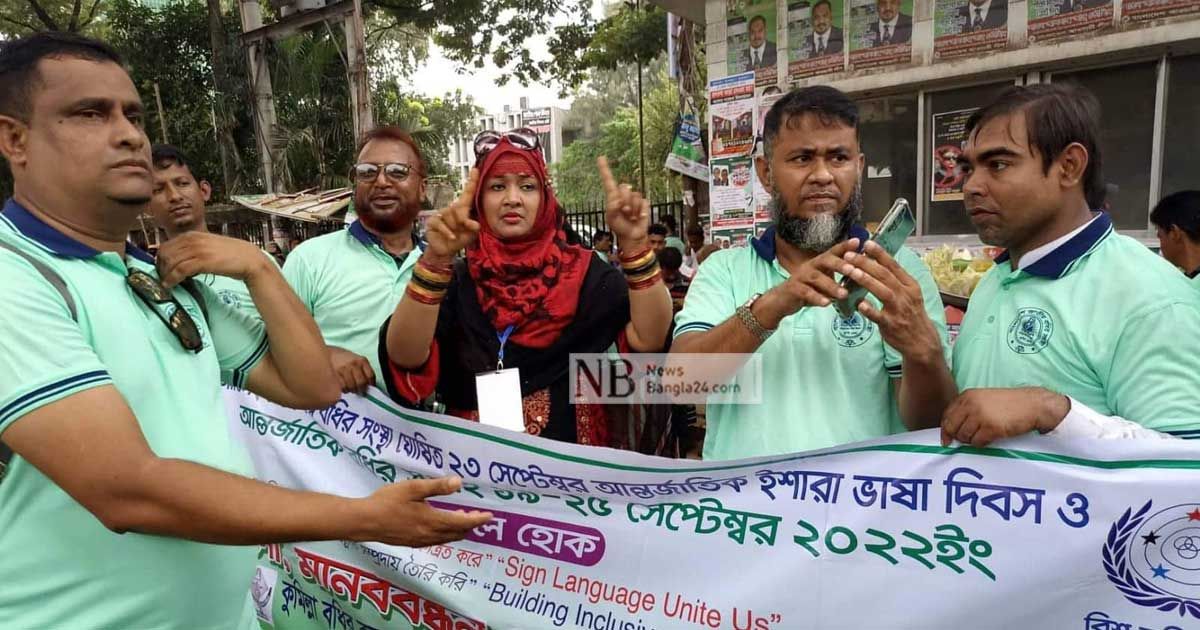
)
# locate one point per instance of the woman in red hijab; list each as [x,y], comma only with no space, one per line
[523,300]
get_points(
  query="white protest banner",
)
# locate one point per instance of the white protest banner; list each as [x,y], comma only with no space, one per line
[891,533]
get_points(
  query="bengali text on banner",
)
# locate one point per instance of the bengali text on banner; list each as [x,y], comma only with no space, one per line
[891,533]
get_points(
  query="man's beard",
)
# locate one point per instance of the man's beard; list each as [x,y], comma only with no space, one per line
[820,232]
[403,216]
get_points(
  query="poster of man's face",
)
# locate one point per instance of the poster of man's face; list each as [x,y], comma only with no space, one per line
[887,10]
[758,31]
[822,18]
[891,25]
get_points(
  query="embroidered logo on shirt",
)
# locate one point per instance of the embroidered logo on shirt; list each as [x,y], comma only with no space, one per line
[852,332]
[229,298]
[1030,332]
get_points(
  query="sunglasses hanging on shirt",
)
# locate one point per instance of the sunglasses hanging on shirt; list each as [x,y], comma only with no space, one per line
[168,309]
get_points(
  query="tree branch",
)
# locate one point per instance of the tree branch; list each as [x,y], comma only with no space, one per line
[48,21]
[74,25]
[19,23]
[90,16]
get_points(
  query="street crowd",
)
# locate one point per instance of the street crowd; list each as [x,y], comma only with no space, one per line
[124,499]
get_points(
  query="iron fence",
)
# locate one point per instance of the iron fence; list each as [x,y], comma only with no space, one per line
[587,219]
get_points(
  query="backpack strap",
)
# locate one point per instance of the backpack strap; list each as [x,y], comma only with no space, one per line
[49,274]
[59,285]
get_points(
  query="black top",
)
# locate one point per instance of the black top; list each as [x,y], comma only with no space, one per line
[468,344]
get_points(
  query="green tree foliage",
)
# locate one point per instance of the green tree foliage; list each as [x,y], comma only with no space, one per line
[627,36]
[577,183]
[474,32]
[433,122]
[25,16]
[171,47]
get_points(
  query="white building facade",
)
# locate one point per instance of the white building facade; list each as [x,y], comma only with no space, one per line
[546,121]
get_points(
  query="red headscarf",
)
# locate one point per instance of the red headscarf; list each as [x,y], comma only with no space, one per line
[531,282]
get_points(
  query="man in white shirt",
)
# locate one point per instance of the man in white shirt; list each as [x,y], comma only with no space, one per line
[763,53]
[826,38]
[891,26]
[983,14]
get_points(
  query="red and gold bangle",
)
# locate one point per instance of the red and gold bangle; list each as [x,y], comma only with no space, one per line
[429,283]
[423,295]
[641,269]
[433,274]
[645,282]
[636,261]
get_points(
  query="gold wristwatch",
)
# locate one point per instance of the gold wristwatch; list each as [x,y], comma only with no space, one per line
[746,316]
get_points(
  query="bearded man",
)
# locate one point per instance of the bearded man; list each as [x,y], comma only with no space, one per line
[825,380]
[351,280]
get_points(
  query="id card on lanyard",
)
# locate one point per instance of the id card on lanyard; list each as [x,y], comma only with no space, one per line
[498,393]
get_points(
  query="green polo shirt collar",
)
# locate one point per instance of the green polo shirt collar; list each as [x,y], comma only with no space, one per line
[764,245]
[370,241]
[1057,263]
[50,238]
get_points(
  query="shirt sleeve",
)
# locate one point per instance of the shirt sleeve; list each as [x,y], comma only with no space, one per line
[1083,421]
[44,355]
[916,268]
[710,299]
[239,339]
[1154,369]
[296,272]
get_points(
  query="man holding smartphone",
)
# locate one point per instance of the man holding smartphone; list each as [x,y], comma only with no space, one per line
[828,380]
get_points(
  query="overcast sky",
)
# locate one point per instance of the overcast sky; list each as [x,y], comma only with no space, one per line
[439,76]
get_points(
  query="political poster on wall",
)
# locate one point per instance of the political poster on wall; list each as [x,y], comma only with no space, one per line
[731,115]
[1135,12]
[949,138]
[687,151]
[751,39]
[969,27]
[761,198]
[816,42]
[880,33]
[731,199]
[1052,20]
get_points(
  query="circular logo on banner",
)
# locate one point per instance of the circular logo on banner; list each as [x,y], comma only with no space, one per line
[1030,332]
[852,332]
[1154,559]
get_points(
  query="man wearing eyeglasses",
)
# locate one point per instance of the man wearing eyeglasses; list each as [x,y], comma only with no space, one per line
[124,503]
[351,280]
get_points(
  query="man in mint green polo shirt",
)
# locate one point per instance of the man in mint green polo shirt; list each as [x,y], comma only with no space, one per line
[1077,330]
[351,280]
[123,495]
[178,207]
[1176,219]
[826,380]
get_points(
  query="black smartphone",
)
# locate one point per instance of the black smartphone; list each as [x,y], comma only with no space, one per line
[893,230]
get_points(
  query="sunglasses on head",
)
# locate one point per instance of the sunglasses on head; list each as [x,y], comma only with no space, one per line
[523,138]
[155,295]
[366,172]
